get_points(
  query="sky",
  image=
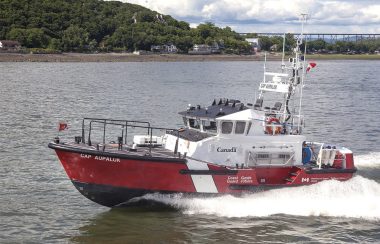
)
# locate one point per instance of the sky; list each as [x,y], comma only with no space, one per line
[337,16]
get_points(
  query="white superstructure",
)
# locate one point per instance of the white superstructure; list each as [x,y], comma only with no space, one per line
[267,133]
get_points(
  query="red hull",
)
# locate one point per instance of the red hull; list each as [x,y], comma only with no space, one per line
[130,173]
[103,178]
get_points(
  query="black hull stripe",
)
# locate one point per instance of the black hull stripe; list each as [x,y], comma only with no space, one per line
[112,196]
[109,196]
[67,148]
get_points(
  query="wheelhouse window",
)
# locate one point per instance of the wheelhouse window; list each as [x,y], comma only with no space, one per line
[209,126]
[239,127]
[227,127]
[194,123]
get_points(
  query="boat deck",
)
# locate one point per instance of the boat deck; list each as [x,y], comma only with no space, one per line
[139,151]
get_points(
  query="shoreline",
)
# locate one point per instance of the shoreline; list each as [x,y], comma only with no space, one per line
[128,57]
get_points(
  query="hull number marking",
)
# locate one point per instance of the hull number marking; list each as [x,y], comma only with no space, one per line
[101,158]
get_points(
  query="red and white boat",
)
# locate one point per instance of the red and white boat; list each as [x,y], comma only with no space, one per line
[225,148]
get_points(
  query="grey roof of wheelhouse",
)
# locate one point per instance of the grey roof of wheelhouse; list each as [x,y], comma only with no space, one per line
[218,108]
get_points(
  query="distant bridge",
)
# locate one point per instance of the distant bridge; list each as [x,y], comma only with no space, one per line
[328,37]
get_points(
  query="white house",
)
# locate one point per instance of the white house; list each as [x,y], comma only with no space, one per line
[255,44]
[10,45]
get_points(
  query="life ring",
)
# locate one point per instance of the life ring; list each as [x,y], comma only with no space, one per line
[273,122]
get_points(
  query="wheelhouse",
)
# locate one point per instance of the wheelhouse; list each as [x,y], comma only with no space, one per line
[204,119]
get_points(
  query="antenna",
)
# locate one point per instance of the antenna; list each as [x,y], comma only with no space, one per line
[303,19]
[265,64]
[265,68]
[283,54]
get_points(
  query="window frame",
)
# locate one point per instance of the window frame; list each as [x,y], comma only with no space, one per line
[236,127]
[221,127]
[204,129]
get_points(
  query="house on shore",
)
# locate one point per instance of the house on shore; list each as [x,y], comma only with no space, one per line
[9,46]
[274,48]
[167,48]
[255,44]
[203,49]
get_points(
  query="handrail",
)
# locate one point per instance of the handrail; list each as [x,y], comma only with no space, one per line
[110,120]
[126,124]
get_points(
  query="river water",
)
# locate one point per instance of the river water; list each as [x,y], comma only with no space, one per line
[38,204]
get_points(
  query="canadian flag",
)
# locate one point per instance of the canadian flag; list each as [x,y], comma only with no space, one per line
[62,126]
[310,66]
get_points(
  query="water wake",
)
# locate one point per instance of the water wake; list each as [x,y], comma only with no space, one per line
[371,160]
[356,198]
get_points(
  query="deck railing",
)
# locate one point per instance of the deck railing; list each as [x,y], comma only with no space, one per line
[126,124]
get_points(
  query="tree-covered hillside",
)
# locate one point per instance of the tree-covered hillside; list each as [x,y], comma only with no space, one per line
[89,25]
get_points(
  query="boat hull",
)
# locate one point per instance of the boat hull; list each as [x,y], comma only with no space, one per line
[111,179]
[110,196]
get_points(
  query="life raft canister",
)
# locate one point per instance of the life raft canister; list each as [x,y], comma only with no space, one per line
[273,123]
[306,155]
[338,161]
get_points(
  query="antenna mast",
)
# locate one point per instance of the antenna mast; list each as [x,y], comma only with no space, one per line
[303,21]
[283,54]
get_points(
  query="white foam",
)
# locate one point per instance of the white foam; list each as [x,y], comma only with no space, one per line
[370,160]
[356,198]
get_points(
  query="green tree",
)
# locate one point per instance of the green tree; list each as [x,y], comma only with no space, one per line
[55,44]
[183,25]
[36,38]
[316,45]
[74,38]
[184,43]
[265,42]
[93,45]
[18,34]
[82,25]
[122,37]
[206,30]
